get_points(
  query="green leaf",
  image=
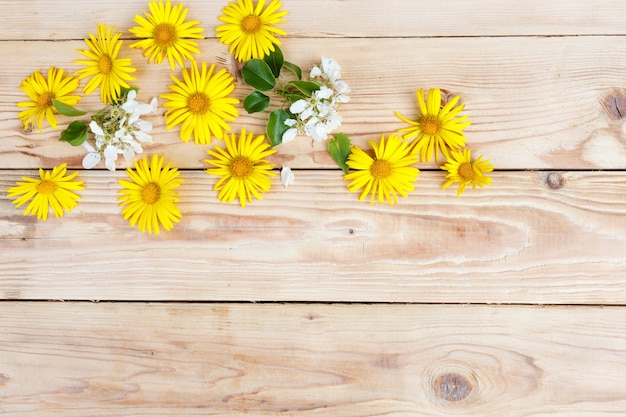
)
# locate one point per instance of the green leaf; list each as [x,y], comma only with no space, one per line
[256,102]
[276,126]
[75,134]
[305,87]
[66,109]
[275,61]
[257,74]
[293,68]
[339,148]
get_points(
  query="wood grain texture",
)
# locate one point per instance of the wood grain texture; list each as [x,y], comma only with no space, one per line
[110,360]
[534,102]
[331,18]
[531,238]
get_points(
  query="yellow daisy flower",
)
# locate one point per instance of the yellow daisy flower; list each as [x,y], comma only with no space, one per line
[52,189]
[387,174]
[436,129]
[248,29]
[165,33]
[461,169]
[41,90]
[148,199]
[201,103]
[242,165]
[106,70]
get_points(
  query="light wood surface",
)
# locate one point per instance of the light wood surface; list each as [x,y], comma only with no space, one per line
[81,359]
[517,242]
[516,293]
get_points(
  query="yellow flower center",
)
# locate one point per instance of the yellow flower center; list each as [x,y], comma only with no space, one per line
[151,193]
[466,171]
[380,169]
[251,24]
[198,103]
[431,125]
[45,100]
[46,187]
[105,63]
[241,167]
[164,35]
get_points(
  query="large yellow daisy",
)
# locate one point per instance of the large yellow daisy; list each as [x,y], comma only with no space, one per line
[242,166]
[385,175]
[248,29]
[106,70]
[463,170]
[41,90]
[148,199]
[437,129]
[165,33]
[202,103]
[50,190]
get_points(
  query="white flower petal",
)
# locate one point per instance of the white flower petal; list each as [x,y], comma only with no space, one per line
[290,122]
[143,137]
[95,128]
[299,106]
[110,152]
[323,93]
[315,72]
[110,164]
[290,135]
[91,160]
[129,153]
[287,177]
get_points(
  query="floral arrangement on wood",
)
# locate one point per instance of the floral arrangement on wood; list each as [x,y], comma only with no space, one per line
[200,103]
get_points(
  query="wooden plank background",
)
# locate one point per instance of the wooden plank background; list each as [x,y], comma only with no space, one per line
[513,297]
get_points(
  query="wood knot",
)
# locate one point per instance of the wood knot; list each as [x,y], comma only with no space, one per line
[451,387]
[554,181]
[614,105]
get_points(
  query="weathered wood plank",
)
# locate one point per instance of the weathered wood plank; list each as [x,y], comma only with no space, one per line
[534,102]
[67,359]
[331,18]
[516,242]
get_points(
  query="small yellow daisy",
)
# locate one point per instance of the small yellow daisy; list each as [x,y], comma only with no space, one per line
[148,199]
[165,33]
[106,70]
[50,190]
[461,169]
[248,29]
[387,174]
[436,129]
[243,168]
[202,103]
[41,90]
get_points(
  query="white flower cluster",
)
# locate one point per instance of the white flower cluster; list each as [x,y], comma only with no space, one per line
[317,115]
[119,131]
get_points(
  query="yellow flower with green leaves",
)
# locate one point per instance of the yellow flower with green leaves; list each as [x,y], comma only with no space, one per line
[149,198]
[386,174]
[249,29]
[41,91]
[164,34]
[242,165]
[53,189]
[463,170]
[103,67]
[436,129]
[201,103]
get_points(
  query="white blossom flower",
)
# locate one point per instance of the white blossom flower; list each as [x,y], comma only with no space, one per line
[316,116]
[118,130]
